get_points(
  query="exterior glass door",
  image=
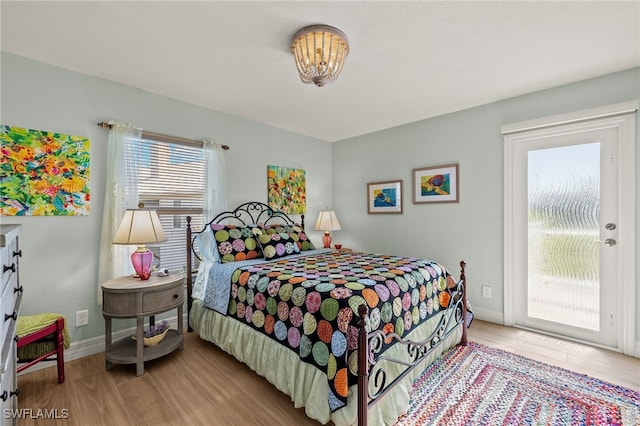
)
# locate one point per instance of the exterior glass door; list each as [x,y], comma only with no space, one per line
[570,216]
[570,225]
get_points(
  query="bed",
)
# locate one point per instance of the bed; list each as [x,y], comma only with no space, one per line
[343,333]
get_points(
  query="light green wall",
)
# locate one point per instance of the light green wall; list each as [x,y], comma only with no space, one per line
[473,228]
[59,268]
[60,262]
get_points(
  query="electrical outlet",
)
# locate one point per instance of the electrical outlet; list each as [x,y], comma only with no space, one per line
[82,318]
[486,291]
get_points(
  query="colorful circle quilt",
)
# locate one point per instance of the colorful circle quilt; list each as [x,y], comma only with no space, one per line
[310,304]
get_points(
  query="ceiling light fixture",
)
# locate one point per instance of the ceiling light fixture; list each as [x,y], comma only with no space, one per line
[319,51]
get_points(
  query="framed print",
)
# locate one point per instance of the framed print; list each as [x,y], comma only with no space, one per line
[385,197]
[437,184]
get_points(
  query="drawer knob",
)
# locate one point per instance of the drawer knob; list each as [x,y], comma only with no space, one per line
[14,315]
[17,253]
[18,289]
[4,395]
[175,296]
[15,392]
[5,268]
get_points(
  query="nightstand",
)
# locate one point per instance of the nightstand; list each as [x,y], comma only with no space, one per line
[128,297]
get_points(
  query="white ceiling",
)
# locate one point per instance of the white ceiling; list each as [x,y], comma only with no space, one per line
[408,61]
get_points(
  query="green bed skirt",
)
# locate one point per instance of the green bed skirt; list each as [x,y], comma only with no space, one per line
[304,383]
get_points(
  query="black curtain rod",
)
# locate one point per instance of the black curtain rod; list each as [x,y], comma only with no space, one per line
[164,138]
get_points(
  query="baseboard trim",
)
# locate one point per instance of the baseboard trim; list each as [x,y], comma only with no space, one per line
[487,315]
[94,345]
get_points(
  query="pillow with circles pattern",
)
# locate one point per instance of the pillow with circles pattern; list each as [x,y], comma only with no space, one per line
[277,245]
[235,243]
[300,237]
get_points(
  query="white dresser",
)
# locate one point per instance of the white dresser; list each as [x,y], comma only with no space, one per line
[10,301]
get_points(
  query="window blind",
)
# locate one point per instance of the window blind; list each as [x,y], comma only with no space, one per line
[168,177]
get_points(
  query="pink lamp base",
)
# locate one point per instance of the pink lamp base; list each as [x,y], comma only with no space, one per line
[141,261]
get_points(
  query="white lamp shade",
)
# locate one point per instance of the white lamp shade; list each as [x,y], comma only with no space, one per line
[327,221]
[140,227]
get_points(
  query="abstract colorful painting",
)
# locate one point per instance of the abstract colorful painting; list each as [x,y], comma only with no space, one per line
[385,197]
[43,173]
[286,189]
[436,184]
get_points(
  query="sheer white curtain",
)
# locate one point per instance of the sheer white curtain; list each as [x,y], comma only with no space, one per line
[215,187]
[120,194]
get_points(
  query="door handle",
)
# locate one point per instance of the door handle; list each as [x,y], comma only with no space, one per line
[608,242]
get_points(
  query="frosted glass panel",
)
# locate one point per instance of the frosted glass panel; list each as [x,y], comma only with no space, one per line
[564,207]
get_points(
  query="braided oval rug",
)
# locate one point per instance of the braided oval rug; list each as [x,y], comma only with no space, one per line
[480,385]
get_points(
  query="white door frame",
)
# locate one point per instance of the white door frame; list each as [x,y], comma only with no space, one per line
[623,118]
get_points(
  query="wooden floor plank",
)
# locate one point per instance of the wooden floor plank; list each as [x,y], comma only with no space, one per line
[96,399]
[148,404]
[202,385]
[202,389]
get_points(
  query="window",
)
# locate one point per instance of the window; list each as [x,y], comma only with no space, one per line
[168,177]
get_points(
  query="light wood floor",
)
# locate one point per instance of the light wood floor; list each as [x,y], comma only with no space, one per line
[201,385]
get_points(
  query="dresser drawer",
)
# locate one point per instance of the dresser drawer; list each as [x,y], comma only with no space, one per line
[9,265]
[9,310]
[162,300]
[10,298]
[8,388]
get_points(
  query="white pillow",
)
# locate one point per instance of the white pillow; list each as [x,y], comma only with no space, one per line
[207,245]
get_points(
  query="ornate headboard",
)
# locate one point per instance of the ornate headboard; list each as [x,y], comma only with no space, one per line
[249,213]
[253,212]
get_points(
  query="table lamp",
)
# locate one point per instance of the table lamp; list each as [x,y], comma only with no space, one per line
[327,222]
[140,226]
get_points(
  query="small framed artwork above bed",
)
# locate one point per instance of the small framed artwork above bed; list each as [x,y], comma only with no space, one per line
[384,197]
[343,333]
[436,184]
